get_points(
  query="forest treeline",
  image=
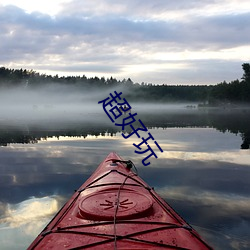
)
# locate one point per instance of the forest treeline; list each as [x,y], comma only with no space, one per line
[236,91]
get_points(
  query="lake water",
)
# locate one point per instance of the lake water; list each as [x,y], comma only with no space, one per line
[204,171]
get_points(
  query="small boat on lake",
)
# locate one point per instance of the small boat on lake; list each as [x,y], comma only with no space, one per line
[116,209]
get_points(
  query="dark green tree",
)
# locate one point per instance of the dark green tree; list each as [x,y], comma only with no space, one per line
[246,69]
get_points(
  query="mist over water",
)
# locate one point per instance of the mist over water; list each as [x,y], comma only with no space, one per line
[50,103]
[61,107]
[56,103]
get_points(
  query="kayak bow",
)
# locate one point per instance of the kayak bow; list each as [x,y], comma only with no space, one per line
[116,209]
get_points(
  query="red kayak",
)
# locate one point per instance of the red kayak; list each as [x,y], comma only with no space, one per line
[116,209]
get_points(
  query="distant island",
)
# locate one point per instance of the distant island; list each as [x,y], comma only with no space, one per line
[236,92]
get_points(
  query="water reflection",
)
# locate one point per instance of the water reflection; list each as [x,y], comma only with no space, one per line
[235,121]
[21,221]
[29,210]
[202,173]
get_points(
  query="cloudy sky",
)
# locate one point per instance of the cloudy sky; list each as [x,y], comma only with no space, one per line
[157,41]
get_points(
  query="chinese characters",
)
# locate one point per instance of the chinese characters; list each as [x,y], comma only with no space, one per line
[113,107]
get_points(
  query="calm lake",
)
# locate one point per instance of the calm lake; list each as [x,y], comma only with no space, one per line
[204,171]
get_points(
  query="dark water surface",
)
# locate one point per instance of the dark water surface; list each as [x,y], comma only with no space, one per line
[203,173]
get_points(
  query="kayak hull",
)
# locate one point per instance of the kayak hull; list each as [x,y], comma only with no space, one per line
[116,209]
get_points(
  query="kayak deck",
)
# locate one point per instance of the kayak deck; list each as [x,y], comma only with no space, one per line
[116,209]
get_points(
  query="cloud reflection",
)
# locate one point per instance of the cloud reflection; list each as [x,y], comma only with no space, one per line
[228,203]
[225,215]
[234,156]
[29,212]
[22,222]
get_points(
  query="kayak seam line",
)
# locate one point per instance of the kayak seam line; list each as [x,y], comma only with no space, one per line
[120,222]
[44,233]
[99,178]
[166,208]
[129,237]
[114,170]
[173,212]
[110,184]
[62,230]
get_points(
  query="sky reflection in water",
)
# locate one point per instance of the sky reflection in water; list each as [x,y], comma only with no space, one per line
[201,173]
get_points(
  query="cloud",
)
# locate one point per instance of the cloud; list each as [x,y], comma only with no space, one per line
[143,10]
[113,38]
